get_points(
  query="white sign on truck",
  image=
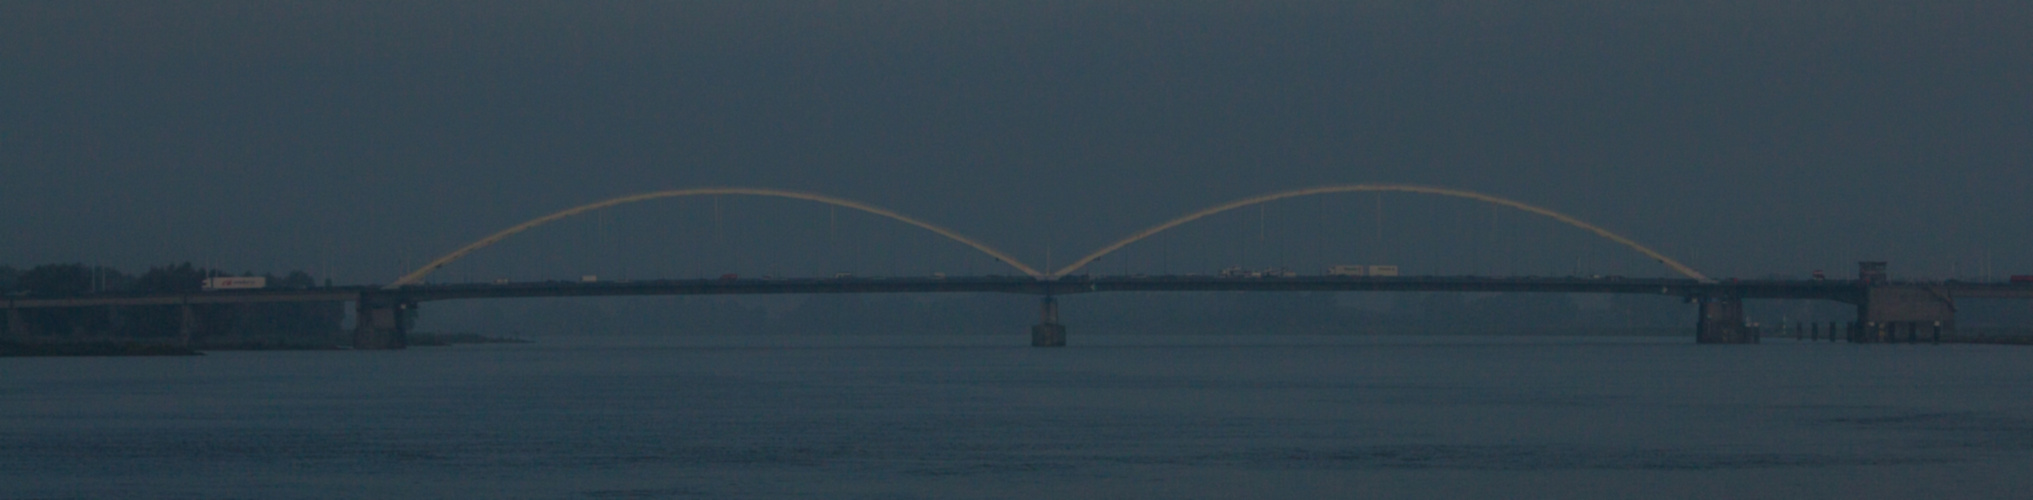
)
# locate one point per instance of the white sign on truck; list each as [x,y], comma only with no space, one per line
[236,283]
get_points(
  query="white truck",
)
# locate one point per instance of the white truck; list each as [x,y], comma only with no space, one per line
[236,283]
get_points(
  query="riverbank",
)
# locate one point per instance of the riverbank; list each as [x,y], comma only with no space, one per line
[131,348]
[428,339]
[15,349]
[1986,339]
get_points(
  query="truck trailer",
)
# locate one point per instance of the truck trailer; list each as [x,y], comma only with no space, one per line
[236,283]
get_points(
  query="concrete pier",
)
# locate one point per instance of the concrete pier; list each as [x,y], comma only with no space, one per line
[1048,332]
[381,324]
[1722,322]
[187,324]
[17,328]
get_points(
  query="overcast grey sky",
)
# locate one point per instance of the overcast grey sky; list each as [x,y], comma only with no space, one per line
[1747,137]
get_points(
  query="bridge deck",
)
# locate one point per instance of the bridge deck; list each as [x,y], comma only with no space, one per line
[1844,291]
[337,294]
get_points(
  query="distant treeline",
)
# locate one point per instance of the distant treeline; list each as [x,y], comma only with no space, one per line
[286,324]
[62,280]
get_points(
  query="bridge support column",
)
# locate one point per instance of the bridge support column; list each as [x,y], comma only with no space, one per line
[381,324]
[1722,322]
[17,328]
[1048,332]
[187,325]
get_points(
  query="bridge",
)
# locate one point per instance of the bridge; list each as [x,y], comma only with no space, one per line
[385,314]
[1886,310]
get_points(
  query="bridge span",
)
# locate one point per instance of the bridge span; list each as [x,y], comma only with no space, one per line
[384,316]
[1831,290]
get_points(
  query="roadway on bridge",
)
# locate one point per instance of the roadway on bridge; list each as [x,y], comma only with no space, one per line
[1837,290]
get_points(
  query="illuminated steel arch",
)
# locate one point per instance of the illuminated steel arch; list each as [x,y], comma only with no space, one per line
[1400,188]
[418,275]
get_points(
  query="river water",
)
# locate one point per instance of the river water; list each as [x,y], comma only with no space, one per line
[988,417]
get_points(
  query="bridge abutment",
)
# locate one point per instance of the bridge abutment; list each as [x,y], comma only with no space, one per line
[1048,332]
[1722,322]
[1895,313]
[382,324]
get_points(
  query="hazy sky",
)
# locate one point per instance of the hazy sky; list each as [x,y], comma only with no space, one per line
[1747,137]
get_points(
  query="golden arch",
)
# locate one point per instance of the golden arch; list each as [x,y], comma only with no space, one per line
[418,275]
[1400,188]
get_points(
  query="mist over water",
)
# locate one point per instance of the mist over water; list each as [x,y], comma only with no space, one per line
[973,416]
